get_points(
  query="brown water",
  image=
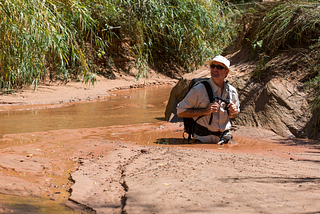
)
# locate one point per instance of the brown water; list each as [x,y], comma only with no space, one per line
[126,107]
[20,205]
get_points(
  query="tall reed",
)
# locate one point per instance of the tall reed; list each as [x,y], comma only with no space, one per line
[37,36]
[183,31]
[289,25]
[40,38]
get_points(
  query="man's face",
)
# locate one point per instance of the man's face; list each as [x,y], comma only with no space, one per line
[218,71]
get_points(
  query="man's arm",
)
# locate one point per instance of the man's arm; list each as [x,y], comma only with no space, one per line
[192,112]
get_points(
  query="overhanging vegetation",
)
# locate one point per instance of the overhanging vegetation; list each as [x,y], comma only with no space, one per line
[62,38]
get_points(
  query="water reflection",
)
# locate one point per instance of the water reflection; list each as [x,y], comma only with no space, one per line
[128,107]
[28,205]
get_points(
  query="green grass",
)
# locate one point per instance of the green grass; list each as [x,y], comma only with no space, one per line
[275,26]
[289,25]
[39,37]
[61,39]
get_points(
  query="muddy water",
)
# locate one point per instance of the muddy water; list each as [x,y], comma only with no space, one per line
[32,205]
[125,107]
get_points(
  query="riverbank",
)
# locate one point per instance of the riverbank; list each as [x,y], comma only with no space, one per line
[58,94]
[102,170]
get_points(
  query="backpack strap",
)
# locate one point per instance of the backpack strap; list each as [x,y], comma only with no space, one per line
[210,95]
[228,95]
[209,90]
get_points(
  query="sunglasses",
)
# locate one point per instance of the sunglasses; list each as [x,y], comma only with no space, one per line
[219,67]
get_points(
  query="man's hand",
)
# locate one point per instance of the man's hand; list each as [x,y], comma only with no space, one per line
[233,110]
[213,107]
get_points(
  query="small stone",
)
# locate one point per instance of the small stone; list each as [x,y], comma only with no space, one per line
[143,150]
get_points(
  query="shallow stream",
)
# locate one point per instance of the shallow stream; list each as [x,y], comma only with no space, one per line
[122,108]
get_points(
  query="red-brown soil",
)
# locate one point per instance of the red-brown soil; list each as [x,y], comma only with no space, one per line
[261,173]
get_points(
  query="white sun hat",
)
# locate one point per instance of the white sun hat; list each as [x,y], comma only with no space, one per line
[221,59]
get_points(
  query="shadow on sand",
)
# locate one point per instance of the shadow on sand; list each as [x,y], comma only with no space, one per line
[179,141]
